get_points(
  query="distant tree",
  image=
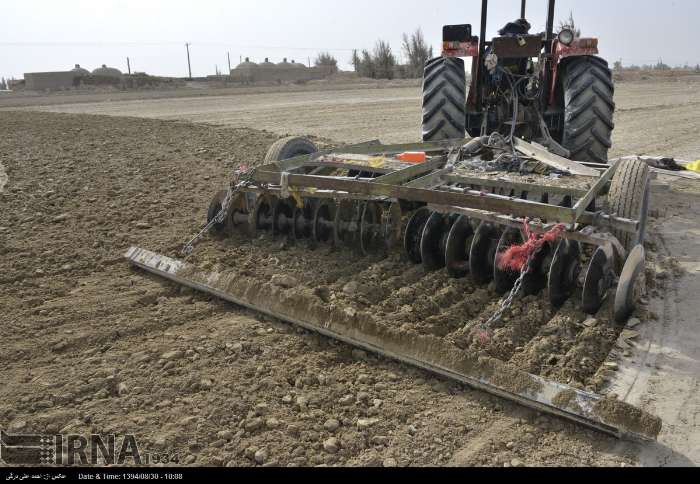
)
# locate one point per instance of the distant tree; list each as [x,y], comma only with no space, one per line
[367,66]
[417,52]
[618,65]
[3,84]
[356,61]
[378,64]
[697,69]
[660,66]
[384,60]
[325,59]
[570,24]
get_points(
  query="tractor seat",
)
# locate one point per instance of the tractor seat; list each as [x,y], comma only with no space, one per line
[517,27]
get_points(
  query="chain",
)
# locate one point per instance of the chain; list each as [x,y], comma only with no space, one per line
[507,303]
[240,180]
[484,329]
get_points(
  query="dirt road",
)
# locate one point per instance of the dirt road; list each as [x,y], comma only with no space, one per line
[656,117]
[662,370]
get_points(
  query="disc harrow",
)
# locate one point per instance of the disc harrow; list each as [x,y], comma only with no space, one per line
[520,234]
[449,217]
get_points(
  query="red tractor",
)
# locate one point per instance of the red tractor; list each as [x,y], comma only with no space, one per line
[552,89]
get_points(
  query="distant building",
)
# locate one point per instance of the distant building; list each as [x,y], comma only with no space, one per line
[80,72]
[60,80]
[52,81]
[249,72]
[105,71]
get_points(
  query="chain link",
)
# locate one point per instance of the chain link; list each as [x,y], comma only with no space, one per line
[241,179]
[507,303]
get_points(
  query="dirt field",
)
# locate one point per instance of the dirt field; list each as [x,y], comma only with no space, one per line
[121,352]
[390,113]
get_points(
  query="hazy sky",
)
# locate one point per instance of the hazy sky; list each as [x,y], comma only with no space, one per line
[47,35]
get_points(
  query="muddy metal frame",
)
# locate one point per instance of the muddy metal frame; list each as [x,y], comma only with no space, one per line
[443,190]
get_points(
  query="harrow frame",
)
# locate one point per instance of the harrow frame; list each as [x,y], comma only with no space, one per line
[435,184]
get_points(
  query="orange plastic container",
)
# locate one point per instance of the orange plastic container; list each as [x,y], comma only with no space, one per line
[413,157]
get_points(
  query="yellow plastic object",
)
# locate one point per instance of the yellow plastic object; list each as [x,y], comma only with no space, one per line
[413,157]
[694,166]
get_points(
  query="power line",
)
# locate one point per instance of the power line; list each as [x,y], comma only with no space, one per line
[159,44]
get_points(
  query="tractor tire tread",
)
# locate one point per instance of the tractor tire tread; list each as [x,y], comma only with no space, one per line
[588,109]
[290,147]
[626,196]
[444,99]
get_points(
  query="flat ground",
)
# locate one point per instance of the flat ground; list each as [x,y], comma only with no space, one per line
[653,117]
[120,352]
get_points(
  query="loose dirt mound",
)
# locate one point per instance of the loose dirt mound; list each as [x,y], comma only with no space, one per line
[564,345]
[91,346]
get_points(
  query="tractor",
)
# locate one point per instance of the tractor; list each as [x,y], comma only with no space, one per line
[552,89]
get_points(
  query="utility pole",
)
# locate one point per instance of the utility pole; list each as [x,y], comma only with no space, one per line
[128,65]
[228,56]
[189,66]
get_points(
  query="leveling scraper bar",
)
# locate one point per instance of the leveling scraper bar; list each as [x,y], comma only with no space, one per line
[430,353]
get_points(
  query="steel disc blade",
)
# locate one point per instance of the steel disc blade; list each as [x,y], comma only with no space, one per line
[371,230]
[597,282]
[238,217]
[459,242]
[536,278]
[433,241]
[564,271]
[505,278]
[303,218]
[324,221]
[215,208]
[282,215]
[414,233]
[626,295]
[261,216]
[391,225]
[346,225]
[483,252]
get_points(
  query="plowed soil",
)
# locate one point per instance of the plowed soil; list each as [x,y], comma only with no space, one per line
[93,346]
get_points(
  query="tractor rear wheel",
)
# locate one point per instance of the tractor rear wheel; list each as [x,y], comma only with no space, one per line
[444,99]
[588,105]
